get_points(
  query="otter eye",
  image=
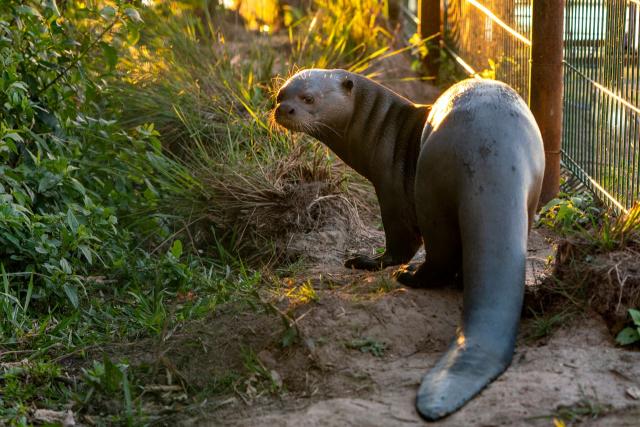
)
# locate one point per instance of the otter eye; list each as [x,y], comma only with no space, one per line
[308,99]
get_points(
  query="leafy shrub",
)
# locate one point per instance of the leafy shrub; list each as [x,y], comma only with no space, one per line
[570,213]
[68,174]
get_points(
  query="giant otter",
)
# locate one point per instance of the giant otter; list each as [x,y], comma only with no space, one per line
[463,178]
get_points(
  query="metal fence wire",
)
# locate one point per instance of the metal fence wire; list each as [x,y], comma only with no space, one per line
[601,129]
[601,100]
[491,38]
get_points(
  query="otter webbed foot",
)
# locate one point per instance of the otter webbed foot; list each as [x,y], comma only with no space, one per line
[406,275]
[364,262]
[422,276]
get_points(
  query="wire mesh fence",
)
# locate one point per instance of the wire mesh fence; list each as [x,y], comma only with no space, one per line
[601,99]
[601,129]
[492,37]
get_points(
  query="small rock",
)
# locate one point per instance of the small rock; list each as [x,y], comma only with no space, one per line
[634,392]
[276,378]
[47,416]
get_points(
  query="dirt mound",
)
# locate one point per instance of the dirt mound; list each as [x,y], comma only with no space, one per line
[609,282]
[576,373]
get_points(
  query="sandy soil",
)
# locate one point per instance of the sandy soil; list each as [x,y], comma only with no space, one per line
[365,342]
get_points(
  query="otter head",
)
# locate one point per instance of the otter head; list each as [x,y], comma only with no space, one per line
[317,102]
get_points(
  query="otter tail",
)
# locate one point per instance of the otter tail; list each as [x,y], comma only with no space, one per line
[493,272]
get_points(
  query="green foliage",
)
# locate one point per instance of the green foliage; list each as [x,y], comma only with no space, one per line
[368,345]
[570,213]
[236,182]
[108,381]
[341,34]
[67,174]
[261,377]
[40,375]
[579,215]
[543,324]
[618,231]
[630,334]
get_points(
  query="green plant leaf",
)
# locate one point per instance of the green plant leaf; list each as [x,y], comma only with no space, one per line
[27,299]
[26,10]
[108,12]
[86,252]
[128,406]
[628,336]
[112,376]
[65,266]
[176,249]
[133,14]
[133,34]
[635,315]
[14,136]
[72,293]
[51,4]
[48,181]
[289,336]
[72,221]
[110,55]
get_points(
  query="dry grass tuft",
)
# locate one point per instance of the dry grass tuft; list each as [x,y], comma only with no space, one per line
[266,204]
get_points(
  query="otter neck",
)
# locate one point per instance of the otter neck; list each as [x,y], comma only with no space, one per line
[382,140]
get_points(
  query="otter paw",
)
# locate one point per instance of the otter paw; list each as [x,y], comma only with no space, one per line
[363,262]
[406,275]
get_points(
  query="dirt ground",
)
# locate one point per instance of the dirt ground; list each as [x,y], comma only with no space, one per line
[364,343]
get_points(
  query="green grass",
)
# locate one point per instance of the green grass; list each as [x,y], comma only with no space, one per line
[55,348]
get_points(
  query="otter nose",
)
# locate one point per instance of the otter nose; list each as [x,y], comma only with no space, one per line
[286,108]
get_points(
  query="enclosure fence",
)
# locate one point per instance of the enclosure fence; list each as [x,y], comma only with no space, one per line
[601,64]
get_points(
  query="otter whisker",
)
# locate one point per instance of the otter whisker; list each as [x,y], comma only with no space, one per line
[318,124]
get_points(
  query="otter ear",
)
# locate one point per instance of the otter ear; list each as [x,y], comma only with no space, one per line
[347,83]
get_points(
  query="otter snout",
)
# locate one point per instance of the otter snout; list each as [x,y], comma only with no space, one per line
[285,109]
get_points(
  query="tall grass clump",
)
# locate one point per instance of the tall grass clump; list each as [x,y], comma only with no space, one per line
[207,86]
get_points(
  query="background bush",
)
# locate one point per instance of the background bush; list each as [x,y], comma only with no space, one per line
[70,175]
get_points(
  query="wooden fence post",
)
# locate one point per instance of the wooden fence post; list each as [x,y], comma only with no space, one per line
[546,86]
[429,25]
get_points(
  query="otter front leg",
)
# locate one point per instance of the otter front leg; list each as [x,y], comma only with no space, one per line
[443,255]
[402,239]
